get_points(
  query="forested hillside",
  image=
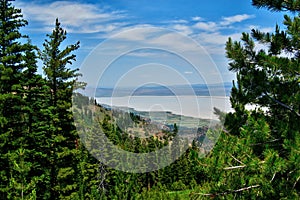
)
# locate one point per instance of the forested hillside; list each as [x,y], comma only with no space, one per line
[44,155]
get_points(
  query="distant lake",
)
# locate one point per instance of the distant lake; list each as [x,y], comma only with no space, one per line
[193,106]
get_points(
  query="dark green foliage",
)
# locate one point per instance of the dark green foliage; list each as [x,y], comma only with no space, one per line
[155,194]
[183,174]
[62,135]
[278,5]
[18,83]
[38,152]
[256,157]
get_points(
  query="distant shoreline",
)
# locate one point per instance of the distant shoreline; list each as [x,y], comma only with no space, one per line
[189,106]
[218,89]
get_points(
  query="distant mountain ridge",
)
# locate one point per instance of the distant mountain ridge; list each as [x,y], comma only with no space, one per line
[157,90]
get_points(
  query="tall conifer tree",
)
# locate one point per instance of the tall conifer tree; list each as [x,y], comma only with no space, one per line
[15,56]
[62,133]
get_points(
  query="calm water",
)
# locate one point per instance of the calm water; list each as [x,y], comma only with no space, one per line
[194,106]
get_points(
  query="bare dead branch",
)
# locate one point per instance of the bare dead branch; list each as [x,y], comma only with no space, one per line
[235,167]
[205,165]
[273,177]
[282,104]
[228,192]
[296,182]
[247,188]
[237,159]
[271,141]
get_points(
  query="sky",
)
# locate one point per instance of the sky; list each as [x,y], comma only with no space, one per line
[139,42]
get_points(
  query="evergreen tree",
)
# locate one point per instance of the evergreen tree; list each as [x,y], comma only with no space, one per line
[61,135]
[17,72]
[258,157]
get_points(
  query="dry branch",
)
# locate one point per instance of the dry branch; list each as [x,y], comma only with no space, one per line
[227,192]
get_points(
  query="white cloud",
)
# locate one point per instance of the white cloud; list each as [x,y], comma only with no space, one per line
[207,34]
[147,37]
[148,54]
[142,54]
[206,26]
[214,43]
[197,18]
[186,30]
[179,21]
[236,18]
[77,17]
[211,34]
[217,38]
[136,33]
[174,42]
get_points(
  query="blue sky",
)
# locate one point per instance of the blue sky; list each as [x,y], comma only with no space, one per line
[169,27]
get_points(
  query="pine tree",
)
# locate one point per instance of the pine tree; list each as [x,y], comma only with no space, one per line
[37,116]
[16,57]
[62,133]
[258,157]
